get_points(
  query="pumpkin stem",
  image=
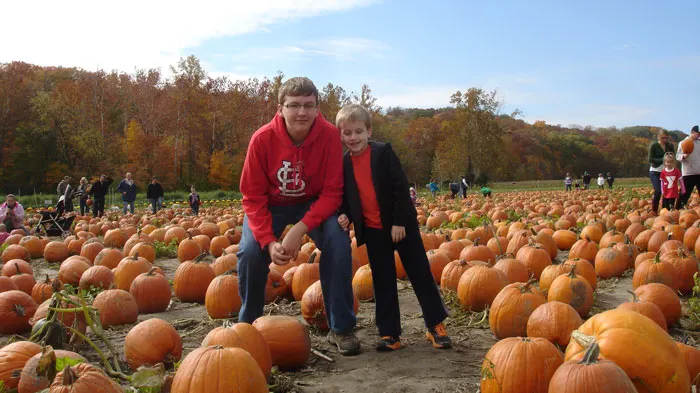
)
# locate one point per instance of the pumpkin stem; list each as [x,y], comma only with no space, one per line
[69,376]
[476,242]
[19,310]
[526,286]
[200,257]
[223,253]
[47,363]
[627,239]
[572,272]
[591,355]
[582,339]
[152,271]
[312,258]
[48,280]
[657,257]
[634,296]
[17,267]
[136,256]
[231,271]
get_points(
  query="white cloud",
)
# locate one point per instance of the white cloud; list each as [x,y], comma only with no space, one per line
[598,115]
[342,49]
[133,34]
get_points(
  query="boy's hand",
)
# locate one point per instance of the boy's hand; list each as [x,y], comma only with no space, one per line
[397,233]
[277,254]
[292,240]
[344,222]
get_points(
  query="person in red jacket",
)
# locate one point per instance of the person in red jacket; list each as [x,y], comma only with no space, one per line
[293,174]
[670,180]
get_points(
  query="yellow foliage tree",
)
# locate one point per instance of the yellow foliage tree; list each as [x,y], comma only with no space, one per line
[220,170]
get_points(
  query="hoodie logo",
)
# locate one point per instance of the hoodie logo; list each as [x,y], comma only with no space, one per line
[290,184]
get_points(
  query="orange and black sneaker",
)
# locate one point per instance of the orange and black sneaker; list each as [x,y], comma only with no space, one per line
[388,343]
[438,336]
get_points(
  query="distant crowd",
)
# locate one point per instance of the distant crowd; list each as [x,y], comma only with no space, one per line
[585,181]
[93,195]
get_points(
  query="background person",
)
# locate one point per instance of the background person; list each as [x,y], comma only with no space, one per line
[657,150]
[12,214]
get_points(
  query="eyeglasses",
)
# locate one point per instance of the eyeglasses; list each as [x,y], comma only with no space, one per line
[296,107]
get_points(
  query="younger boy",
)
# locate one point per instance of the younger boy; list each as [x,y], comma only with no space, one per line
[195,201]
[377,201]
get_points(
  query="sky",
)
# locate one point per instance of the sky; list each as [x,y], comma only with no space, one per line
[599,63]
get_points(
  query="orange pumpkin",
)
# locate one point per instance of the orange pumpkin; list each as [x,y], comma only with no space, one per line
[222,299]
[502,372]
[573,290]
[512,308]
[554,321]
[151,292]
[648,309]
[288,339]
[150,342]
[478,287]
[245,336]
[639,346]
[664,297]
[591,375]
[13,357]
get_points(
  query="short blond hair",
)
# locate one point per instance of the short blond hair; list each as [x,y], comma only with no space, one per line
[353,112]
[297,86]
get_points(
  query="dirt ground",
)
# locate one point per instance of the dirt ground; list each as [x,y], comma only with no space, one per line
[416,368]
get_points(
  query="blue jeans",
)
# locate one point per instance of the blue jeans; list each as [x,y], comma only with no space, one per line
[130,204]
[656,183]
[335,266]
[156,204]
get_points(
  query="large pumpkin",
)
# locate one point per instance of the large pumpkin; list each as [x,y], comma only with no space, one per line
[245,336]
[151,292]
[150,342]
[638,345]
[16,309]
[306,274]
[478,287]
[83,378]
[591,375]
[116,307]
[222,299]
[288,339]
[128,269]
[33,379]
[654,270]
[664,297]
[512,308]
[503,370]
[515,270]
[313,308]
[648,309]
[554,321]
[191,280]
[219,370]
[535,257]
[13,357]
[573,290]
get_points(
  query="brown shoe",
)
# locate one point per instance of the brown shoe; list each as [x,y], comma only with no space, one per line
[347,343]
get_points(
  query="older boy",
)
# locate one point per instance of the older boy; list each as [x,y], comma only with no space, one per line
[293,174]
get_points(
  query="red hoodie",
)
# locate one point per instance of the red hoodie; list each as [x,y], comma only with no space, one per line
[277,173]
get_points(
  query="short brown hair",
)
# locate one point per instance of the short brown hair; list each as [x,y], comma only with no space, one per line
[297,86]
[353,112]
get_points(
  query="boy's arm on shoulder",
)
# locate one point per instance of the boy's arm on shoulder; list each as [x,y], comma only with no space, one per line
[399,187]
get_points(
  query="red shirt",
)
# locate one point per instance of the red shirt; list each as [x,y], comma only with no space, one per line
[276,172]
[670,182]
[368,198]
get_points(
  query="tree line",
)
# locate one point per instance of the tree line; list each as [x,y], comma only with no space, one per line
[191,128]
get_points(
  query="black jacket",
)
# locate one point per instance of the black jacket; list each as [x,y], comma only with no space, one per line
[99,190]
[390,186]
[154,191]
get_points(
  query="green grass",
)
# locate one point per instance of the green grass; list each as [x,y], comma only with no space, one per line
[37,200]
[534,185]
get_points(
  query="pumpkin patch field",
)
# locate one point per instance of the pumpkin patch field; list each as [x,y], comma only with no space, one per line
[548,291]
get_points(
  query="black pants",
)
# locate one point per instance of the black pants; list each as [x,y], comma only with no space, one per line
[655,178]
[668,203]
[83,207]
[690,182]
[380,250]
[610,183]
[98,206]
[464,192]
